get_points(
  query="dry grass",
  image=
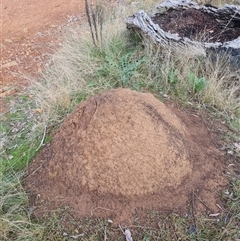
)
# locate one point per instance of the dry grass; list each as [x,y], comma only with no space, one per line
[193,77]
[15,223]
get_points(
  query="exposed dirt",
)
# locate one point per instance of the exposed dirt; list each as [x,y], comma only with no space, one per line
[121,150]
[31,30]
[195,24]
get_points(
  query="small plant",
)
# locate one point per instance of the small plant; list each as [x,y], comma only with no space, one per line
[122,65]
[129,66]
[173,76]
[122,70]
[195,82]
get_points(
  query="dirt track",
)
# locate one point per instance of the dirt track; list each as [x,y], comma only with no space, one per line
[30,30]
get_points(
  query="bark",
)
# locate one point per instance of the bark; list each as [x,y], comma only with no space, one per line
[229,14]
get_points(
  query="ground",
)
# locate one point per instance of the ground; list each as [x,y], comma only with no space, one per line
[30,31]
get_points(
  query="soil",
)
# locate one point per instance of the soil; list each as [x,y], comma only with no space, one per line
[197,25]
[122,150]
[31,31]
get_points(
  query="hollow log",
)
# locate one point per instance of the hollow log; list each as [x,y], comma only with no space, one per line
[227,17]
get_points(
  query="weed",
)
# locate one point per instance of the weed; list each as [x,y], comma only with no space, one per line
[121,68]
[129,67]
[196,82]
[173,76]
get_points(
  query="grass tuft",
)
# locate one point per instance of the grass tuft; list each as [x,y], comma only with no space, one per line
[15,223]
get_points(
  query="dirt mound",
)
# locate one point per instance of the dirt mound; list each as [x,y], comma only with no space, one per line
[117,151]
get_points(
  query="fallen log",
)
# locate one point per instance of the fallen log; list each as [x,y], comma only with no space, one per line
[180,23]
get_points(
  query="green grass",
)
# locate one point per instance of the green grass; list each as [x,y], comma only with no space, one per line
[81,69]
[18,134]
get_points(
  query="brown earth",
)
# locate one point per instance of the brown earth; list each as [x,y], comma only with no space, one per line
[30,31]
[122,150]
[195,24]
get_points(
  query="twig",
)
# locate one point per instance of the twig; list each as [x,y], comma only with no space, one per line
[121,229]
[219,207]
[44,135]
[77,236]
[230,20]
[101,24]
[95,24]
[142,227]
[100,208]
[34,171]
[203,203]
[192,204]
[105,233]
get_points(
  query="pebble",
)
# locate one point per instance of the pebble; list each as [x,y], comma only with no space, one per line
[25,30]
[6,88]
[3,46]
[8,40]
[192,229]
[9,64]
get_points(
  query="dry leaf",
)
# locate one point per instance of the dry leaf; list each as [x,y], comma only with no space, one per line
[38,110]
